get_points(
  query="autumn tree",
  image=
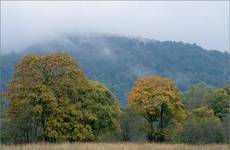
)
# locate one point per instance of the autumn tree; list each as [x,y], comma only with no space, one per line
[50,91]
[106,110]
[157,99]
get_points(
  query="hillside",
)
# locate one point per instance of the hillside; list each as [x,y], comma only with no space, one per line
[118,61]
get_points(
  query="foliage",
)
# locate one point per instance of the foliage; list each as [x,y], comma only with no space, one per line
[49,91]
[226,124]
[202,127]
[3,120]
[219,101]
[131,125]
[196,95]
[118,61]
[157,99]
[50,98]
[106,110]
[21,129]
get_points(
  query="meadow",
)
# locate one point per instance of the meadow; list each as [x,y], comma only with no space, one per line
[114,146]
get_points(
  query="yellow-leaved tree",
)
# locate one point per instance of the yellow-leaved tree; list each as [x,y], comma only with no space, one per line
[48,102]
[157,99]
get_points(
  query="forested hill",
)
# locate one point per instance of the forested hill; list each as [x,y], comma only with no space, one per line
[118,61]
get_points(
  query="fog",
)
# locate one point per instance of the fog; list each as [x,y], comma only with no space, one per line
[205,23]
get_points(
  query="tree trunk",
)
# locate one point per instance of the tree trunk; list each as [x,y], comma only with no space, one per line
[161,137]
[150,136]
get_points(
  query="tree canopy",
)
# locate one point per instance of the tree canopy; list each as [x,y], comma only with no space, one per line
[202,127]
[53,93]
[219,101]
[50,99]
[105,107]
[157,99]
[117,61]
[196,95]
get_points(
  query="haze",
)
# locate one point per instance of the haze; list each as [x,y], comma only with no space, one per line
[205,23]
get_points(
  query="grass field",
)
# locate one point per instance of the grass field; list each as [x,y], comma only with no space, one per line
[117,146]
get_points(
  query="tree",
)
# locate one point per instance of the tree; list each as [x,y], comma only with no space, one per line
[22,129]
[131,125]
[196,95]
[226,124]
[50,91]
[118,61]
[202,127]
[4,134]
[219,101]
[157,99]
[106,109]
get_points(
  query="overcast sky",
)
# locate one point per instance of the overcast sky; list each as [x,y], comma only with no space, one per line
[205,23]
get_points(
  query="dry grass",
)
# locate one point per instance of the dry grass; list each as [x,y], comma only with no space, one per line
[117,146]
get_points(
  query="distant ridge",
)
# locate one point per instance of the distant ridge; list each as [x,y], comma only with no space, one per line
[118,61]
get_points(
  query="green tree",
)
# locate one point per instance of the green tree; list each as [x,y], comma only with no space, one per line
[131,125]
[196,95]
[226,124]
[51,90]
[4,136]
[202,127]
[157,99]
[106,109]
[219,101]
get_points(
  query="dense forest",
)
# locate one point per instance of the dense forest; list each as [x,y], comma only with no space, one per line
[50,99]
[109,88]
[118,61]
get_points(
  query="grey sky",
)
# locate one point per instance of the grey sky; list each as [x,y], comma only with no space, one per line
[205,23]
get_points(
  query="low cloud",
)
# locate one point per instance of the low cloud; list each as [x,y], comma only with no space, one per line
[206,23]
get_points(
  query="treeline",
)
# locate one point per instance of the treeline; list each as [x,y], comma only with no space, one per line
[118,61]
[49,99]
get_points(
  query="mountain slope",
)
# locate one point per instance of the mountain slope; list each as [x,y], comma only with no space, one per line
[118,61]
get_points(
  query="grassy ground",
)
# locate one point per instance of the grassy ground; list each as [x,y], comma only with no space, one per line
[117,146]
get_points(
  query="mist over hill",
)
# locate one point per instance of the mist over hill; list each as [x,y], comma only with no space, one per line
[117,61]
